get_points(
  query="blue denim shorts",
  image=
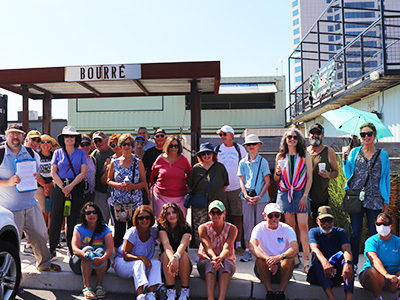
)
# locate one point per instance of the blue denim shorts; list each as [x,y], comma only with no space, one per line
[292,207]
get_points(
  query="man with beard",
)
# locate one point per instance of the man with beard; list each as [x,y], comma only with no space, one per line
[331,263]
[320,154]
[27,212]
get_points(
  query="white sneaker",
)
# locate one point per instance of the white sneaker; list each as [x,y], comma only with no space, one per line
[151,296]
[171,294]
[184,294]
[141,297]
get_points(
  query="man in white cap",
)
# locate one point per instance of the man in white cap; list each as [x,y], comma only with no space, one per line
[229,154]
[27,212]
[274,245]
[101,153]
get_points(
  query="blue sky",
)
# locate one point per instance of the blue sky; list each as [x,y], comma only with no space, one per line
[248,37]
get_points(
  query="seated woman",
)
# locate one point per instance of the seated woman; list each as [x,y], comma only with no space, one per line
[383,261]
[175,235]
[134,255]
[216,252]
[91,235]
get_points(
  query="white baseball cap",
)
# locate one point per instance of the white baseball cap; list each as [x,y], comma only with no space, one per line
[272,207]
[226,128]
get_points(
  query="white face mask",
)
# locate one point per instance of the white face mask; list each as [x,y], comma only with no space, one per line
[383,230]
[326,231]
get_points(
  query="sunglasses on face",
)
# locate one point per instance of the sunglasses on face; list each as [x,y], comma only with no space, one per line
[45,142]
[140,140]
[141,218]
[85,145]
[130,144]
[223,134]
[383,223]
[315,133]
[90,212]
[206,153]
[35,140]
[216,212]
[369,133]
[252,144]
[276,215]
[173,146]
[326,220]
[69,136]
[159,136]
[97,141]
[113,145]
[292,137]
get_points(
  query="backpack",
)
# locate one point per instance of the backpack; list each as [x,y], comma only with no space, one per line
[236,147]
[3,150]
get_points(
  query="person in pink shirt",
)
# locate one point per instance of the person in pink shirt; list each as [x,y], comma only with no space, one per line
[172,170]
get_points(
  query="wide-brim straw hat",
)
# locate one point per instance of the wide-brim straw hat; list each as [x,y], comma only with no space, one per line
[69,130]
[251,139]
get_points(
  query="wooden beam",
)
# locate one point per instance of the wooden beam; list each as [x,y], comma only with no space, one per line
[25,108]
[141,86]
[195,119]
[47,119]
[38,88]
[90,88]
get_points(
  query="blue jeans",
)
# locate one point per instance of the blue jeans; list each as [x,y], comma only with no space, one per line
[316,273]
[356,229]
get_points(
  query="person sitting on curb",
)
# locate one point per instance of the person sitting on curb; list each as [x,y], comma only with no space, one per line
[92,245]
[382,267]
[331,263]
[274,245]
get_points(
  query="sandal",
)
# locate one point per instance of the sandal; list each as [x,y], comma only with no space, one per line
[88,293]
[306,265]
[100,292]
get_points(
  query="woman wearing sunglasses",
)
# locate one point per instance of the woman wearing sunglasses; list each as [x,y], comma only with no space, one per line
[43,191]
[134,256]
[216,253]
[293,172]
[126,176]
[367,169]
[210,177]
[91,235]
[382,266]
[68,169]
[89,179]
[174,234]
[172,170]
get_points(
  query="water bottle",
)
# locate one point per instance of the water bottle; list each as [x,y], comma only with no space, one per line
[47,204]
[126,181]
[67,207]
[362,195]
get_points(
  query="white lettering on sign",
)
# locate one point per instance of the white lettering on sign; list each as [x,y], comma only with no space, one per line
[103,72]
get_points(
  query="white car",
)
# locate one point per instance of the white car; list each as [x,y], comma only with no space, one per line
[10,263]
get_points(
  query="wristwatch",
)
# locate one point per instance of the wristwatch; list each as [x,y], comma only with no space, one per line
[283,256]
[349,262]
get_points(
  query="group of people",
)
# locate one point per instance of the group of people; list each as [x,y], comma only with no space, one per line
[142,187]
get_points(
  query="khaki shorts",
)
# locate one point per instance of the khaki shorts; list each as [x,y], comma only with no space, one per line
[233,202]
[204,266]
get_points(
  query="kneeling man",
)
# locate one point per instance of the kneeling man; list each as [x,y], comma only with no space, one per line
[331,263]
[274,246]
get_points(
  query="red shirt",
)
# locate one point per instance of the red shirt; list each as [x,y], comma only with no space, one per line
[171,178]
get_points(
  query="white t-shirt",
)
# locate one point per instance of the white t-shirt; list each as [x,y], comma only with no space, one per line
[229,157]
[273,242]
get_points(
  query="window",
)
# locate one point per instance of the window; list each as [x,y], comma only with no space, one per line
[296,41]
[337,17]
[296,31]
[330,28]
[360,5]
[331,48]
[295,12]
[297,69]
[298,78]
[359,15]
[330,18]
[354,74]
[297,60]
[235,101]
[337,26]
[295,22]
[371,64]
[330,38]
[295,3]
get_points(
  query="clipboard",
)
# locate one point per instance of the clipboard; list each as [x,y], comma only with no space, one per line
[25,168]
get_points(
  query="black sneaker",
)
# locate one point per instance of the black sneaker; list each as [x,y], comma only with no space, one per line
[270,295]
[53,254]
[280,296]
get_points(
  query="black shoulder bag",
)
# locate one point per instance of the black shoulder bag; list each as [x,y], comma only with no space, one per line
[352,202]
[200,200]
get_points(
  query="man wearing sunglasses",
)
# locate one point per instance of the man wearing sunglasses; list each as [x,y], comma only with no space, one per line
[320,154]
[229,154]
[331,263]
[101,153]
[151,154]
[274,245]
[142,131]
